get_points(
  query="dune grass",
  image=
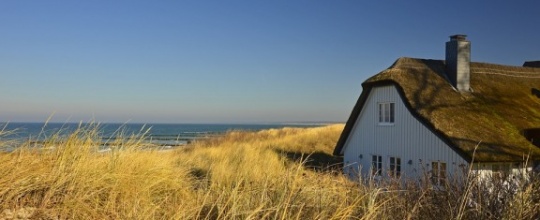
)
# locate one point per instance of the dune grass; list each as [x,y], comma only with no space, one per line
[272,174]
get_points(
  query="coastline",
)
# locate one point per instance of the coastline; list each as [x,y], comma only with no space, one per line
[163,136]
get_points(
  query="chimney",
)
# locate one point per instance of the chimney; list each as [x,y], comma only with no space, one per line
[458,59]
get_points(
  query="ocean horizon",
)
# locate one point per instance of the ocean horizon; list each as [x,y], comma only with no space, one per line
[163,134]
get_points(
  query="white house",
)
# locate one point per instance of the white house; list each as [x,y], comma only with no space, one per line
[437,117]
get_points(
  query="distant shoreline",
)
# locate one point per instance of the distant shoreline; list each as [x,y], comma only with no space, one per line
[165,135]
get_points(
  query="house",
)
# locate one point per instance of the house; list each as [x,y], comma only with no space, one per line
[440,116]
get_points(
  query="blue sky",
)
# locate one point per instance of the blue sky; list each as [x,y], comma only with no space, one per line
[231,61]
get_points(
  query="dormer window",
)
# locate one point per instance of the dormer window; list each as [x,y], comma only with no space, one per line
[386,113]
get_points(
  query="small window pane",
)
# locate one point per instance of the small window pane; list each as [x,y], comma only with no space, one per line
[380,163]
[398,166]
[392,112]
[395,166]
[376,163]
[381,113]
[386,112]
[443,171]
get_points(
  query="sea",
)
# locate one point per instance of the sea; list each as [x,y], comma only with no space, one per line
[166,135]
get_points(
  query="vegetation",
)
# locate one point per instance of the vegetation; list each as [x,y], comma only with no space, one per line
[272,174]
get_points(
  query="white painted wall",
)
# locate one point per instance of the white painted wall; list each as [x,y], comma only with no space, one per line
[486,170]
[407,138]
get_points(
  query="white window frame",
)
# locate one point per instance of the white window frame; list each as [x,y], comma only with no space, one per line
[386,112]
[376,165]
[439,173]
[395,166]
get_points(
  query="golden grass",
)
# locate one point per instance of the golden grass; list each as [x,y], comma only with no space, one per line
[241,175]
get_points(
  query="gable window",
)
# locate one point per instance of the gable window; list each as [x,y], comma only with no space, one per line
[395,166]
[386,113]
[438,173]
[376,165]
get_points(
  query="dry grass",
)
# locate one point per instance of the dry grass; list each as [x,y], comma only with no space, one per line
[242,175]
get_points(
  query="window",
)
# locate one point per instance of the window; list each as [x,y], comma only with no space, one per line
[386,113]
[438,173]
[376,165]
[500,171]
[395,166]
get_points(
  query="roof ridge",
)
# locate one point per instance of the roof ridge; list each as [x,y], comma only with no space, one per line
[505,70]
[517,76]
[496,65]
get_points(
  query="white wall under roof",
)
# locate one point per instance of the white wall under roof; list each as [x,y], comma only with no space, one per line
[407,138]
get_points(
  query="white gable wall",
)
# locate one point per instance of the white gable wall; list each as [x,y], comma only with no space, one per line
[407,138]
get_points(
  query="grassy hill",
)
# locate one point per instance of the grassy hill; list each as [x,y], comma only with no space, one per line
[273,174]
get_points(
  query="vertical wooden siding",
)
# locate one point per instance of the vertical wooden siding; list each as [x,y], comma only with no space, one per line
[407,138]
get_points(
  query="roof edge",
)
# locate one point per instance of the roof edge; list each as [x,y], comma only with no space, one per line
[355,113]
[367,87]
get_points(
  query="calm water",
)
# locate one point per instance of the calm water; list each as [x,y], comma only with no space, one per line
[161,134]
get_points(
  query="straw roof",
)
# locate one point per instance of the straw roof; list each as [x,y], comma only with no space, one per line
[491,118]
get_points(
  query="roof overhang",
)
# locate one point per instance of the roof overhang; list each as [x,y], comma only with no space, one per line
[359,106]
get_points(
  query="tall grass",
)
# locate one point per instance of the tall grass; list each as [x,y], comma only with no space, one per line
[271,174]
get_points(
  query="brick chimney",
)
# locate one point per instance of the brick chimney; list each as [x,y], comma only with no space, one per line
[458,59]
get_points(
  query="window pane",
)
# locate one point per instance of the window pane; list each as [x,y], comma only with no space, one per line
[392,112]
[374,165]
[443,171]
[386,113]
[381,112]
[435,173]
[395,166]
[380,163]
[398,166]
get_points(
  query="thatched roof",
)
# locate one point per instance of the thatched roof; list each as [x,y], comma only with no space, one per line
[532,64]
[493,116]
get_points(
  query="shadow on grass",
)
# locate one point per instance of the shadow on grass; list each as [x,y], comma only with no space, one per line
[317,161]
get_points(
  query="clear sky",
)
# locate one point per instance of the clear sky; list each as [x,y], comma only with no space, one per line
[231,61]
